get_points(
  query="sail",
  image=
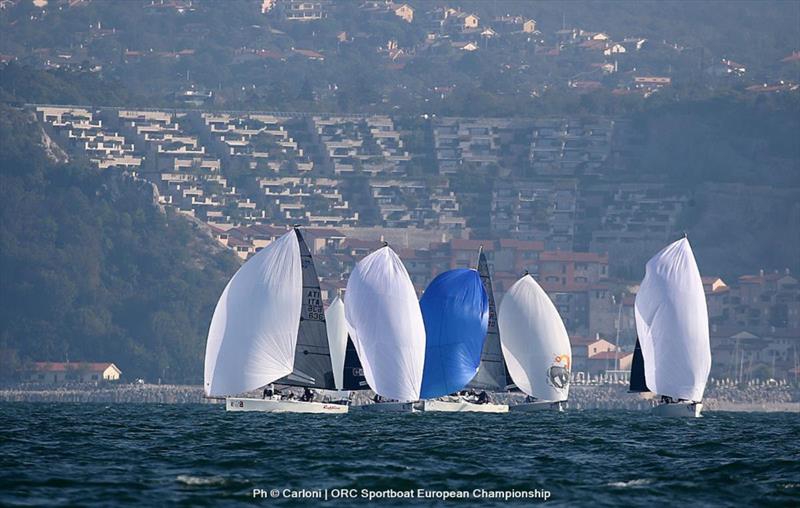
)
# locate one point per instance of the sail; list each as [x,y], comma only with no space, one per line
[252,337]
[455,310]
[337,339]
[638,383]
[492,373]
[312,361]
[353,378]
[672,323]
[385,324]
[535,343]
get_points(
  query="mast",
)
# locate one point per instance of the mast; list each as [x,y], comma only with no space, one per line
[492,373]
[312,361]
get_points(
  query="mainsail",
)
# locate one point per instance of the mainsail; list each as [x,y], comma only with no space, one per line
[353,378]
[253,333]
[638,382]
[535,343]
[455,310]
[385,323]
[312,361]
[492,373]
[672,323]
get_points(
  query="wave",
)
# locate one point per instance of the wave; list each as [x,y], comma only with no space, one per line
[632,483]
[200,480]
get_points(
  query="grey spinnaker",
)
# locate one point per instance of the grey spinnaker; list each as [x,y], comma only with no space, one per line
[492,373]
[312,361]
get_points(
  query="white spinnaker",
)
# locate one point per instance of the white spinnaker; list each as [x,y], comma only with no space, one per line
[535,343]
[337,338]
[672,322]
[253,334]
[385,324]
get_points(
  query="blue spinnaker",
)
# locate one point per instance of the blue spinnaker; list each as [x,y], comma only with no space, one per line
[455,309]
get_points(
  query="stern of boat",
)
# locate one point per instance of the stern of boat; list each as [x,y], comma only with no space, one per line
[679,409]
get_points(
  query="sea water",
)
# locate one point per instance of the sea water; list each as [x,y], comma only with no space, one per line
[152,455]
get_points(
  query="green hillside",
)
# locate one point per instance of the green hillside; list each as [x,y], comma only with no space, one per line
[93,270]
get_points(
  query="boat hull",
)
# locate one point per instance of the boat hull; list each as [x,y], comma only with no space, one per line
[389,407]
[282,406]
[461,407]
[527,407]
[679,409]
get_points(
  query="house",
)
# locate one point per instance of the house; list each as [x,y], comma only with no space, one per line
[609,361]
[713,284]
[471,21]
[488,33]
[466,46]
[529,26]
[310,54]
[302,10]
[404,12]
[584,348]
[71,372]
[614,49]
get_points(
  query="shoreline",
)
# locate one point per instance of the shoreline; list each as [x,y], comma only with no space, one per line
[582,397]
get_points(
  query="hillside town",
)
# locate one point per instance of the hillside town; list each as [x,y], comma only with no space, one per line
[529,57]
[355,182]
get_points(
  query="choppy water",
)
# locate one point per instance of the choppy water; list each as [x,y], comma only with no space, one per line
[151,455]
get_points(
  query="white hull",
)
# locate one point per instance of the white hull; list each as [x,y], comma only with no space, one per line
[461,407]
[680,409]
[282,406]
[527,407]
[389,407]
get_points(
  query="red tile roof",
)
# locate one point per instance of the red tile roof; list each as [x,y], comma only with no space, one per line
[564,255]
[464,244]
[72,366]
[521,244]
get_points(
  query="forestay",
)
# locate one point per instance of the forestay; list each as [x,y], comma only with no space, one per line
[252,337]
[385,324]
[455,310]
[337,338]
[535,343]
[672,322]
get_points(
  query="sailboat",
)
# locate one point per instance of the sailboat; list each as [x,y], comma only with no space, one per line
[386,327]
[455,310]
[673,353]
[535,346]
[269,327]
[492,373]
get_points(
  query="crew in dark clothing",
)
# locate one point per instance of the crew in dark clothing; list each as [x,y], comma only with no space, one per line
[269,392]
[483,398]
[308,395]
